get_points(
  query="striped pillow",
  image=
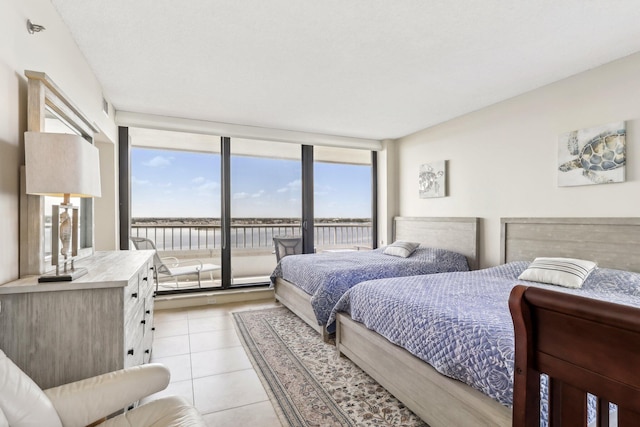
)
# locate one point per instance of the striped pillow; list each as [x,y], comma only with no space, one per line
[567,272]
[401,248]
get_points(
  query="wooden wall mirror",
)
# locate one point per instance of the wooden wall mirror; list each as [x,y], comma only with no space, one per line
[49,110]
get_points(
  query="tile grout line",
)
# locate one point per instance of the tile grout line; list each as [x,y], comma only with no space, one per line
[193,389]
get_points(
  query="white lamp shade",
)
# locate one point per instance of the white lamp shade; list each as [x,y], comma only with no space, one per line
[57,164]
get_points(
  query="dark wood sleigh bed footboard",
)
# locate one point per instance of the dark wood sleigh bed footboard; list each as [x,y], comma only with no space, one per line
[584,346]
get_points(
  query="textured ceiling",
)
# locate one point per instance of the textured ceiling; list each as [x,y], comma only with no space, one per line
[361,68]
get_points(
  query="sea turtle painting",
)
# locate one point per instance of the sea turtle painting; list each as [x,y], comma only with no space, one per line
[431,180]
[600,158]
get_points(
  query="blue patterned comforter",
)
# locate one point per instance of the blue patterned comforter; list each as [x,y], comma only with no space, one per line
[460,322]
[327,276]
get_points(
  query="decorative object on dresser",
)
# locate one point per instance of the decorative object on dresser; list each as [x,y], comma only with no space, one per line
[60,164]
[90,401]
[61,332]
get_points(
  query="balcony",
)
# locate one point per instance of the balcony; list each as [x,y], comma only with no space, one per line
[252,257]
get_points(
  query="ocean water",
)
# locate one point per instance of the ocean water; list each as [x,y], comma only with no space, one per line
[192,238]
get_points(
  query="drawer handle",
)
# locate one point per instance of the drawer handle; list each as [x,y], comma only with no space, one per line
[130,352]
[134,295]
[153,329]
[147,351]
[145,279]
[148,311]
[143,321]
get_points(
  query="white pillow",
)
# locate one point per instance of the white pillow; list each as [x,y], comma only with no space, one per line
[567,272]
[401,248]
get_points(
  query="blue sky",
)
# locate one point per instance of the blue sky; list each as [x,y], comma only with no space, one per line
[185,184]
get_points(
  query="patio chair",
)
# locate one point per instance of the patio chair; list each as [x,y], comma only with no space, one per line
[171,266]
[287,245]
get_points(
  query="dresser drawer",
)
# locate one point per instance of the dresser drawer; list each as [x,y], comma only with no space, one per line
[134,334]
[139,316]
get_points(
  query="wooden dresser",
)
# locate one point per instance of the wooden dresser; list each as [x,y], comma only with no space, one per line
[65,331]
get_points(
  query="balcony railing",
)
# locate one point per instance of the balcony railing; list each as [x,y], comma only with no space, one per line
[250,236]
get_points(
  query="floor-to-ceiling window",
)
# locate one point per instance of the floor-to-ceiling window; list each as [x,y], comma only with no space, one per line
[265,202]
[342,199]
[203,198]
[175,201]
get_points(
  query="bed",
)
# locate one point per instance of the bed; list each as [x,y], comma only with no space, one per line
[442,401]
[459,235]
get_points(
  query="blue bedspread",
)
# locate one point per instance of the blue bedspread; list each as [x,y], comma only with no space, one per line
[327,276]
[460,322]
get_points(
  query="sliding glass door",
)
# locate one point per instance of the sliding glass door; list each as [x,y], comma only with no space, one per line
[175,203]
[342,199]
[265,199]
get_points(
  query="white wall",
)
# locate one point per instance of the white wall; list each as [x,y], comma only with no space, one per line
[387,194]
[54,52]
[106,207]
[503,159]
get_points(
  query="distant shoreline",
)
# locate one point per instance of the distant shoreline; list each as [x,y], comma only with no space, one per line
[151,221]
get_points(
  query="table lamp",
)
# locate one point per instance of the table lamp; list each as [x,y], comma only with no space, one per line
[62,165]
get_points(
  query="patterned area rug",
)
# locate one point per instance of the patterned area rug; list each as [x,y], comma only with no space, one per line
[306,381]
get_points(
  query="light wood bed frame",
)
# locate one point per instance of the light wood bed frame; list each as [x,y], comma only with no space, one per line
[459,234]
[442,401]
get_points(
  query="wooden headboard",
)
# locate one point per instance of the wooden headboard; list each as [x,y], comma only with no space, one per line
[458,234]
[610,242]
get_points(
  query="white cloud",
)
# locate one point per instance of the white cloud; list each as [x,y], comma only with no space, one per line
[158,162]
[258,194]
[293,185]
[198,180]
[241,195]
[136,181]
[207,186]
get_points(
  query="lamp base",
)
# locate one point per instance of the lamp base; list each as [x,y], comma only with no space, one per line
[66,276]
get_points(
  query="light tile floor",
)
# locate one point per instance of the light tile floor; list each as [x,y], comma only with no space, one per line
[209,366]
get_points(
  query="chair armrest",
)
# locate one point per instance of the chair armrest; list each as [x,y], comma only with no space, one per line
[82,402]
[191,262]
[175,261]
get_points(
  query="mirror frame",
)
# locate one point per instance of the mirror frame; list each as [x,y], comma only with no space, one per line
[42,94]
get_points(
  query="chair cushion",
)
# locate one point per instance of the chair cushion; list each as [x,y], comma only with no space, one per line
[3,420]
[193,269]
[23,403]
[171,411]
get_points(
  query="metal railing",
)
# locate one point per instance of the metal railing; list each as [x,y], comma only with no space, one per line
[248,236]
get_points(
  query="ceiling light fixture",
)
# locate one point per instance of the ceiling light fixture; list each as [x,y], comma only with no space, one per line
[34,28]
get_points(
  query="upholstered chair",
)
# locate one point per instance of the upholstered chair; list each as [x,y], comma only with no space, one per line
[78,404]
